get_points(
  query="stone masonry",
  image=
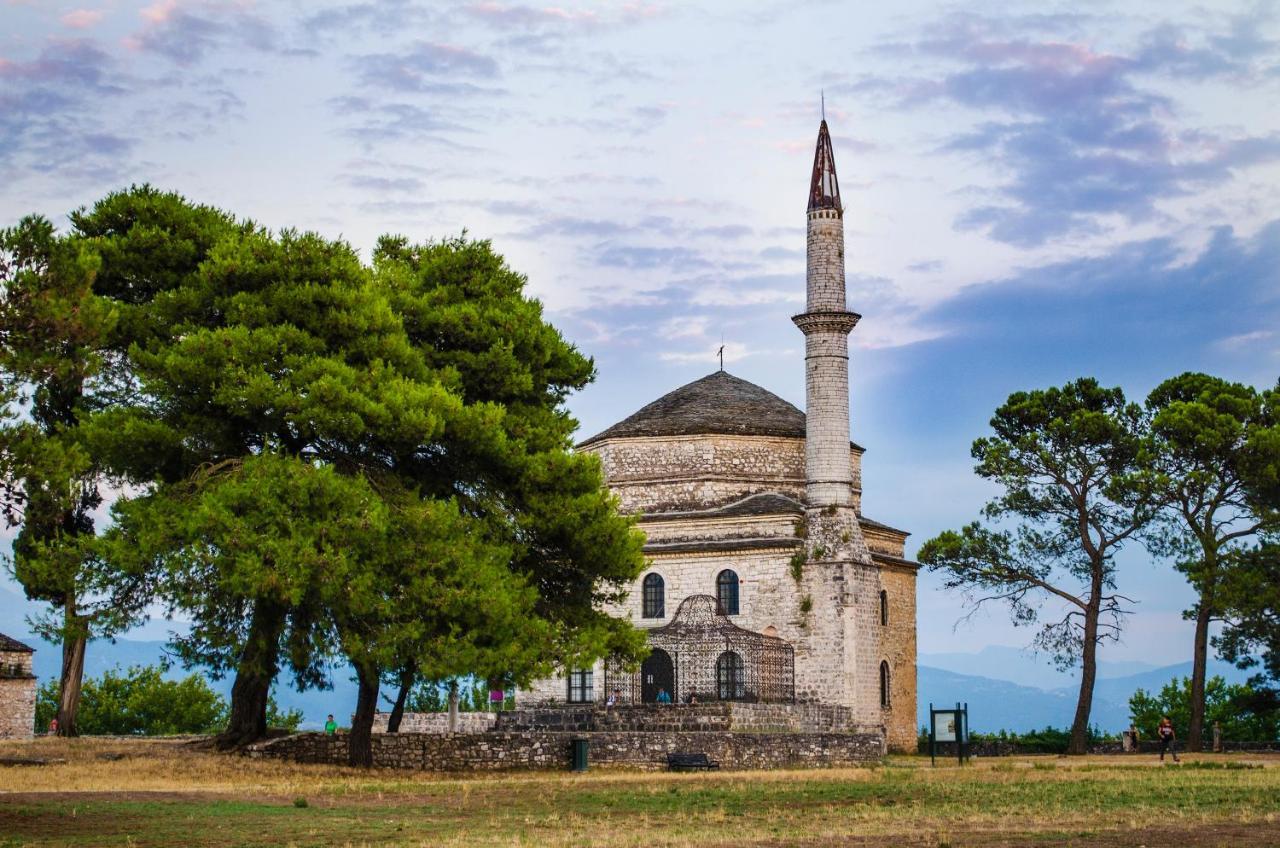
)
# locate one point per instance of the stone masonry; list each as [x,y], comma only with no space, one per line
[469,722]
[728,478]
[17,690]
[526,749]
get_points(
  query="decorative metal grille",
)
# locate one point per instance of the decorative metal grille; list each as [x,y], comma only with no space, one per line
[696,638]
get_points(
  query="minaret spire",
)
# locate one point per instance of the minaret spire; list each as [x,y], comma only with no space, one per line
[824,188]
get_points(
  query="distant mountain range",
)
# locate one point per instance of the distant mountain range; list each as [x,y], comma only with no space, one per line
[1006,688]
[1004,705]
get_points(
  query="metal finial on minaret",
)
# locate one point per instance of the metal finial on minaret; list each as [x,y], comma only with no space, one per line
[720,353]
[822,92]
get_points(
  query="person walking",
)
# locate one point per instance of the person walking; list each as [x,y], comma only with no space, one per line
[1168,739]
[663,697]
[330,726]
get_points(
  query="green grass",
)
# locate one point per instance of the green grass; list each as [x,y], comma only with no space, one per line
[166,796]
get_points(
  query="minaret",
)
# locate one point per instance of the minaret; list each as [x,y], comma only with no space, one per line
[838,660]
[826,325]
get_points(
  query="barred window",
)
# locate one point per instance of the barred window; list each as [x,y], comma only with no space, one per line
[654,596]
[727,592]
[730,677]
[884,685]
[581,687]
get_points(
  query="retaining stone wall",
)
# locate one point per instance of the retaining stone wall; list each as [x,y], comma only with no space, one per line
[547,750]
[469,722]
[653,718]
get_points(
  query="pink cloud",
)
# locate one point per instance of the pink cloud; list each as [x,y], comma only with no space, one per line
[159,12]
[81,18]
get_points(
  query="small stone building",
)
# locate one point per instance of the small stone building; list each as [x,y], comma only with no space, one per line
[765,582]
[17,690]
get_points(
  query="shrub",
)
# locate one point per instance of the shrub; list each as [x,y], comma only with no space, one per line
[1245,713]
[139,702]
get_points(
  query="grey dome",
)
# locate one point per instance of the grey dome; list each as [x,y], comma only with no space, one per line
[720,404]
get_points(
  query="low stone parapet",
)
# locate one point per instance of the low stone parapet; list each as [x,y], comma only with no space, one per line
[667,718]
[469,722]
[552,750]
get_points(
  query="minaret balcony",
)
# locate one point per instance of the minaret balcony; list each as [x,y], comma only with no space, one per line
[826,322]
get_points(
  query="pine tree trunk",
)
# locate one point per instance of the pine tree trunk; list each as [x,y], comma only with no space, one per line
[360,742]
[407,677]
[257,671]
[1079,742]
[74,641]
[1199,668]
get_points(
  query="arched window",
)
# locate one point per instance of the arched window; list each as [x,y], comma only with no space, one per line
[727,592]
[884,685]
[884,607]
[654,596]
[731,681]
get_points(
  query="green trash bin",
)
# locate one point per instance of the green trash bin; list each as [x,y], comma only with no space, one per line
[581,747]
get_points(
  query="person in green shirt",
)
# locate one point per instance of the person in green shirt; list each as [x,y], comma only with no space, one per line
[330,726]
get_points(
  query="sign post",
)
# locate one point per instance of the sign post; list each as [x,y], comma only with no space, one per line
[949,725]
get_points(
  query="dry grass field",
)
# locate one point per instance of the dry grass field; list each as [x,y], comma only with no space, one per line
[148,793]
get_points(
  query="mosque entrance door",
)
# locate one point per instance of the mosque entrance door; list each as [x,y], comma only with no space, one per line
[657,672]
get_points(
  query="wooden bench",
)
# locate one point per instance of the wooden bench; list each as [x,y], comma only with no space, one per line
[690,762]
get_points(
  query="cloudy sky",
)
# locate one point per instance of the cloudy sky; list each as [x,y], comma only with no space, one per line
[1034,194]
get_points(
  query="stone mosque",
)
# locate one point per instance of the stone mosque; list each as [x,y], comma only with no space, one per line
[765,582]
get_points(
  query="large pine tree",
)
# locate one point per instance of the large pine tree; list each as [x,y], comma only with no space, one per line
[419,400]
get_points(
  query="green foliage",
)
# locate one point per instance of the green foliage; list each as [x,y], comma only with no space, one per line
[53,329]
[1250,594]
[1067,460]
[1209,439]
[289,720]
[1048,740]
[433,697]
[796,565]
[1250,598]
[139,701]
[1246,714]
[336,459]
[806,605]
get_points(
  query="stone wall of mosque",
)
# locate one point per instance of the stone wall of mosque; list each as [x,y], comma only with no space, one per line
[828,612]
[899,648]
[839,641]
[676,473]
